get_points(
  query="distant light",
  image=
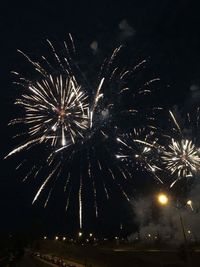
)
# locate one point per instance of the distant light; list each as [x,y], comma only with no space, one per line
[163,199]
[91,234]
[116,237]
[44,237]
[64,238]
[56,237]
[94,46]
[189,232]
[80,234]
[189,203]
[149,235]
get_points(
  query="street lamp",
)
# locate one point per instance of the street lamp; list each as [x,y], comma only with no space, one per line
[163,199]
[80,234]
[189,203]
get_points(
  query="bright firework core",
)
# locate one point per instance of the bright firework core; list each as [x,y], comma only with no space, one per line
[62,114]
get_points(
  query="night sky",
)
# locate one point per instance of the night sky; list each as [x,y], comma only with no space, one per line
[167,33]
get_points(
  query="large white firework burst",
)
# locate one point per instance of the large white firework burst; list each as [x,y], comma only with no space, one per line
[56,110]
[181,158]
[180,155]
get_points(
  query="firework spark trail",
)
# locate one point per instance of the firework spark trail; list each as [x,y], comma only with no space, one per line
[175,121]
[92,179]
[80,204]
[48,197]
[96,99]
[22,147]
[69,193]
[106,191]
[29,174]
[103,182]
[67,182]
[20,165]
[52,188]
[45,183]
[95,198]
[118,184]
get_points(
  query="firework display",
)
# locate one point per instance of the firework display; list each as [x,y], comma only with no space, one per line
[76,127]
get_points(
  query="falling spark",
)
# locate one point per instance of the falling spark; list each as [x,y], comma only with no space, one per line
[80,205]
[45,183]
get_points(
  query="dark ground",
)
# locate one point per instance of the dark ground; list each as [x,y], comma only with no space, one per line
[26,262]
[122,256]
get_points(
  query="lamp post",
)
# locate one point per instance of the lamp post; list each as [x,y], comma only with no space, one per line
[164,200]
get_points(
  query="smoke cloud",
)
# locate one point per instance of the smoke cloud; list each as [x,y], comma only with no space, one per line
[163,223]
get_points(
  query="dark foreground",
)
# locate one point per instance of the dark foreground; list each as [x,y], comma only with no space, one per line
[55,254]
[121,256]
[25,261]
